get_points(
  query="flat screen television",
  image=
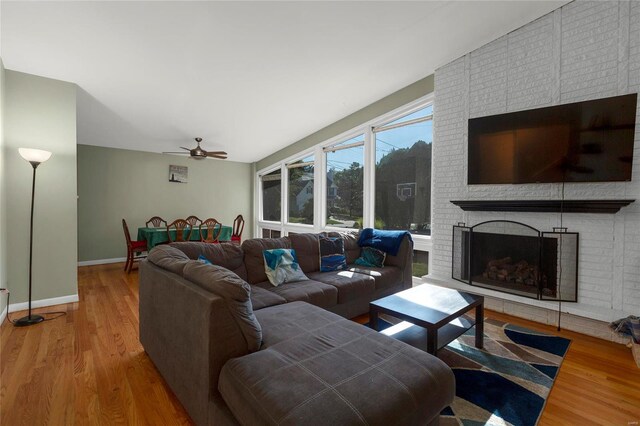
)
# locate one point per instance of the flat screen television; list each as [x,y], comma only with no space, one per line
[589,141]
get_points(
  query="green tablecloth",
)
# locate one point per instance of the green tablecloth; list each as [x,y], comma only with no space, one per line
[155,236]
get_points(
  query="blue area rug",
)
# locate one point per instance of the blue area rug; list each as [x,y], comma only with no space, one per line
[507,382]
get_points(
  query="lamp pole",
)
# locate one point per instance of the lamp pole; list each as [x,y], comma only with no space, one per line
[34,157]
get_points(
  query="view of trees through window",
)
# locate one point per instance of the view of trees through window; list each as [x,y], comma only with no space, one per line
[401,178]
[271,192]
[345,175]
[301,191]
[403,173]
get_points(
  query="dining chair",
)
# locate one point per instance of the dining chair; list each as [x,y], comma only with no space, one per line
[157,222]
[179,225]
[133,247]
[210,231]
[238,227]
[193,221]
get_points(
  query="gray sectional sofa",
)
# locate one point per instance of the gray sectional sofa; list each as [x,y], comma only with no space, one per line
[237,350]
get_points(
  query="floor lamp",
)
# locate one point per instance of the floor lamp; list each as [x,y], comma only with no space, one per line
[35,157]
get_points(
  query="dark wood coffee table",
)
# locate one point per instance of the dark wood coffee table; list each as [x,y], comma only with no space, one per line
[435,314]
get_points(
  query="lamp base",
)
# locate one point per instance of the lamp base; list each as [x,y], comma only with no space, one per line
[29,320]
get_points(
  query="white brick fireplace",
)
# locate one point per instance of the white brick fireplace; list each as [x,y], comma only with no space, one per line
[582,51]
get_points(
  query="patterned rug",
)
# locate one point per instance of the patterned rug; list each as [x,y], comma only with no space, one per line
[507,382]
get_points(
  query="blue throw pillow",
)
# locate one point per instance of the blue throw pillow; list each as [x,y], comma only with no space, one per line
[332,256]
[204,260]
[371,257]
[281,266]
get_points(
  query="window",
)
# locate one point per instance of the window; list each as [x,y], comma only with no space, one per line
[271,192]
[377,174]
[270,233]
[420,263]
[300,175]
[344,186]
[403,173]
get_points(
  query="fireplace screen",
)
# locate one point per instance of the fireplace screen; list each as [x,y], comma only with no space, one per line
[515,258]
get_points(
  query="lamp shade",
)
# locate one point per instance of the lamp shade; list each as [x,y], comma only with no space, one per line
[34,155]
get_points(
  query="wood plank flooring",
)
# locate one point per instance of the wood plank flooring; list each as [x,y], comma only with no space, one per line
[88,367]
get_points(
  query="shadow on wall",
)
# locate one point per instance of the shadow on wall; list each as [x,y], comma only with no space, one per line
[99,125]
[93,115]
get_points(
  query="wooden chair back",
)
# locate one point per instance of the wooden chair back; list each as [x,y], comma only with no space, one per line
[210,231]
[179,225]
[156,222]
[193,221]
[238,227]
[127,235]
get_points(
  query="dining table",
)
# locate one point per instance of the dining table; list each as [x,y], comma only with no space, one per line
[155,236]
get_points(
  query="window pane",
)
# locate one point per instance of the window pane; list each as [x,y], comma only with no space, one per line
[403,177]
[271,190]
[418,114]
[420,263]
[301,191]
[345,174]
[270,233]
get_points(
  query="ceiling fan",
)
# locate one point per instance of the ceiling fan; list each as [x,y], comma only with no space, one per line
[199,153]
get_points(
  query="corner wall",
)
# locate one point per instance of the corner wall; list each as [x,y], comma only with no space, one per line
[41,113]
[116,183]
[3,200]
[584,50]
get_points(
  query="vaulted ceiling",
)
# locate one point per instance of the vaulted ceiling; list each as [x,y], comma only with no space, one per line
[248,77]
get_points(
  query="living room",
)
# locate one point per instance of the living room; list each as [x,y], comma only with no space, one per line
[294,116]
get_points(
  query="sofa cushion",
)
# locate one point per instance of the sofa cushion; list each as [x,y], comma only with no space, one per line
[314,362]
[386,277]
[262,298]
[253,258]
[281,266]
[169,258]
[371,257]
[306,246]
[314,292]
[235,291]
[350,285]
[227,255]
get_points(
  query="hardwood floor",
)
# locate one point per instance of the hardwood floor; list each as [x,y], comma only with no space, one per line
[88,367]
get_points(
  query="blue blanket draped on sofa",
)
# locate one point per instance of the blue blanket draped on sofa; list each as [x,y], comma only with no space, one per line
[387,241]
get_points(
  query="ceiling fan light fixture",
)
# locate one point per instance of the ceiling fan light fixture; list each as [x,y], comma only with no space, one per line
[198,153]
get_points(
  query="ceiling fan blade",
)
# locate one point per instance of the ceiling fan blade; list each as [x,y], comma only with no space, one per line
[188,149]
[174,152]
[214,155]
[217,152]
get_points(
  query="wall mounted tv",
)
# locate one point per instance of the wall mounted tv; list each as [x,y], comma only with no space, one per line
[589,141]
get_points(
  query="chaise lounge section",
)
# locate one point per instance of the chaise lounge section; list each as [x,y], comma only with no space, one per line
[237,350]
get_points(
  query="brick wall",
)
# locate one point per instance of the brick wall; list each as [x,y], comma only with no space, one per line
[584,50]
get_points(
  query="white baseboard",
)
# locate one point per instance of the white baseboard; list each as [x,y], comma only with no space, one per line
[102,261]
[3,315]
[43,303]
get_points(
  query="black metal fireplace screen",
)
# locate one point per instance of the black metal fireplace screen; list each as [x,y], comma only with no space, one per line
[515,258]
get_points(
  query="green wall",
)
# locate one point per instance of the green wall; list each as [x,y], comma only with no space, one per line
[389,103]
[3,197]
[116,183]
[41,113]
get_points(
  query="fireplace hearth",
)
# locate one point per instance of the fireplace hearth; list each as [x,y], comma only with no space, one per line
[516,258]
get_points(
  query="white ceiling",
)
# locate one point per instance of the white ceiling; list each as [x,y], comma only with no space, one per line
[248,77]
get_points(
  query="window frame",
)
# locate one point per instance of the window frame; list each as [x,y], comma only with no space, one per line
[343,137]
[284,215]
[421,242]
